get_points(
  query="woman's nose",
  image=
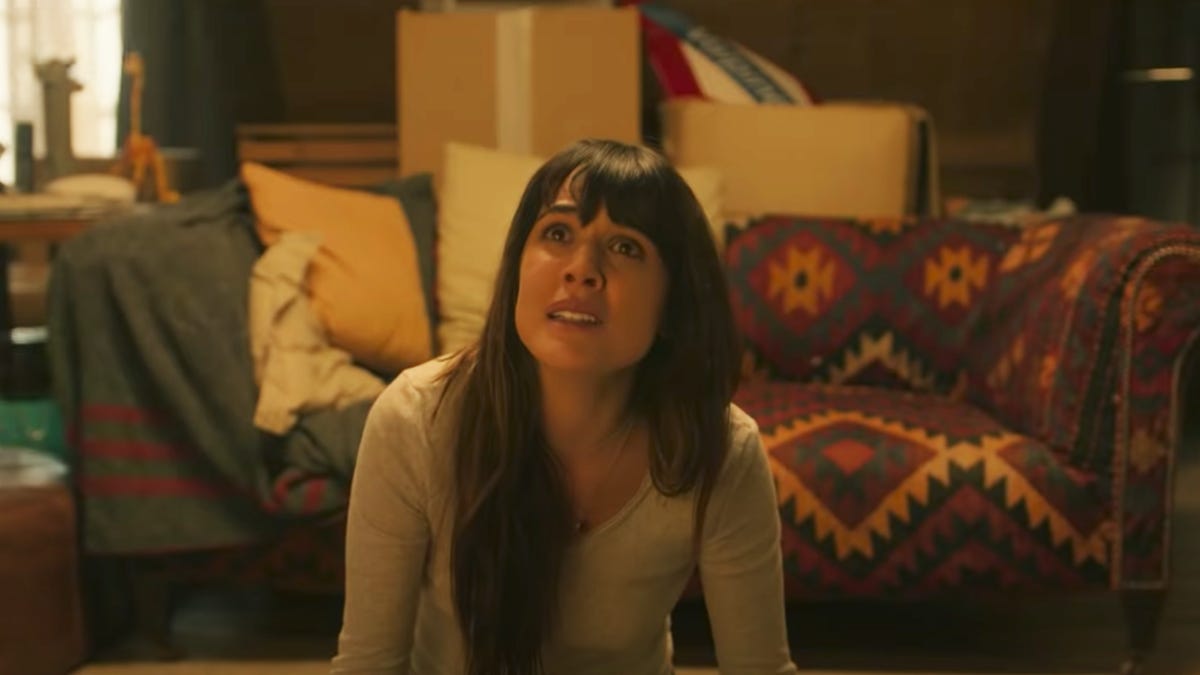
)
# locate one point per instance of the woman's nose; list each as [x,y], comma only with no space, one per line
[584,267]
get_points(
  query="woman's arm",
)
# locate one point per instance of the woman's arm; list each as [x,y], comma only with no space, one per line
[741,565]
[387,535]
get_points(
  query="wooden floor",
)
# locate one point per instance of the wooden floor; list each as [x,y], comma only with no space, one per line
[261,633]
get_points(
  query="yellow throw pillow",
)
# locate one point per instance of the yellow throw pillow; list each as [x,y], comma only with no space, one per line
[364,282]
[481,188]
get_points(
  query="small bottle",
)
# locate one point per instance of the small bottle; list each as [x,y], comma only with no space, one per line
[24,157]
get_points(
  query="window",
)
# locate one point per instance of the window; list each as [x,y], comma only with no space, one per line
[37,30]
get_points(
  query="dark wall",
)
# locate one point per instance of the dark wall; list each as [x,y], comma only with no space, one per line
[337,60]
[1016,87]
[989,72]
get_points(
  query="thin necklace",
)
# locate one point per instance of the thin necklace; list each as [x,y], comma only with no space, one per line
[581,513]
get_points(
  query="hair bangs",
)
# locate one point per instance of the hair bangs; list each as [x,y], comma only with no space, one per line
[631,186]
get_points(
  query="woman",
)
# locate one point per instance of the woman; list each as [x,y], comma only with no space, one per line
[538,503]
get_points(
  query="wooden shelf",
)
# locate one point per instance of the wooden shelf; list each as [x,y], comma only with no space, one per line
[346,155]
[42,229]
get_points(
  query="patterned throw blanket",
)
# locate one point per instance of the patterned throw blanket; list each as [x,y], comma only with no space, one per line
[152,367]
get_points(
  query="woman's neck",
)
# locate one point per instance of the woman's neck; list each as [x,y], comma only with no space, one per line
[581,413]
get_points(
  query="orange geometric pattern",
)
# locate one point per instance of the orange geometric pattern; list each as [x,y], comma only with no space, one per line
[859,470]
[954,275]
[803,281]
[1092,545]
[869,302]
[1034,244]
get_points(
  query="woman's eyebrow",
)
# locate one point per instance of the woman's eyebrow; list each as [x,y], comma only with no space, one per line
[560,207]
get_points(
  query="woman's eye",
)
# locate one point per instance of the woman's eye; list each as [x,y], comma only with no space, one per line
[556,233]
[627,247]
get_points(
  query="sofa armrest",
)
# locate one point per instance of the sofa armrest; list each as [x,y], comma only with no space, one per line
[1044,348]
[1081,342]
[1157,346]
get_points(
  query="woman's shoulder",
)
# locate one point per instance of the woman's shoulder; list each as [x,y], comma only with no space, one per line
[415,393]
[743,432]
[420,383]
[406,430]
[745,446]
[746,468]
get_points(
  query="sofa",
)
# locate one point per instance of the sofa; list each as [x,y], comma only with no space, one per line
[950,407]
[968,408]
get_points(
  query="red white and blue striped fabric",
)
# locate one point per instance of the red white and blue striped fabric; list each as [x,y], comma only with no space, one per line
[692,62]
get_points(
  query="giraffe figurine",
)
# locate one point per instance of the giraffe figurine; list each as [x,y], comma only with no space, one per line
[140,153]
[57,87]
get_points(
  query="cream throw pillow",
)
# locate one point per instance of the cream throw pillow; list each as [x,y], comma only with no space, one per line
[481,188]
[480,192]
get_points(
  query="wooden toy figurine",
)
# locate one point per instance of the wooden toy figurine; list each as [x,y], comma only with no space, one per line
[140,153]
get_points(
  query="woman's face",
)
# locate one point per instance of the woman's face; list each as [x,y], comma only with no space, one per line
[591,295]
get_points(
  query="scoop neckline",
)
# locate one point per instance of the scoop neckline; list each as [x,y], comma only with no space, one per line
[621,514]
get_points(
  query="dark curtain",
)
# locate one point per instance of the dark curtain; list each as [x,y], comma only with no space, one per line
[1078,142]
[208,66]
[1161,134]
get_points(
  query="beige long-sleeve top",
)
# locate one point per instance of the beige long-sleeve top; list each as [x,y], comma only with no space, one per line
[619,581]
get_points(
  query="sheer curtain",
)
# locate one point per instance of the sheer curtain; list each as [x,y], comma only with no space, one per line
[36,30]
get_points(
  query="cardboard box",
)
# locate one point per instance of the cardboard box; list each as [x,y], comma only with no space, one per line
[529,80]
[836,159]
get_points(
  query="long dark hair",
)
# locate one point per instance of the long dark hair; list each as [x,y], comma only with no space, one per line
[512,518]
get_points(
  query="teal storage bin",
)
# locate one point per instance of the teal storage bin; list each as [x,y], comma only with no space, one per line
[35,424]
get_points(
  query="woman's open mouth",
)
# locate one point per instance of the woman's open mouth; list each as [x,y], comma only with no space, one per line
[574,318]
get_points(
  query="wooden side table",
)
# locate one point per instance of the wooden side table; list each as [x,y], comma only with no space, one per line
[15,231]
[41,229]
[52,230]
